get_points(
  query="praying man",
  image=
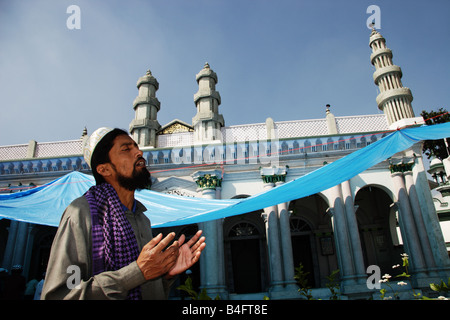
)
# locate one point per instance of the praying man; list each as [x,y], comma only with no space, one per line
[106,238]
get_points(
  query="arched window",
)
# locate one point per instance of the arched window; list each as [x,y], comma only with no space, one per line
[307,147]
[243,229]
[299,226]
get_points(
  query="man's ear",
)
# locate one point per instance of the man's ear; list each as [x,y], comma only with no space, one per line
[104,170]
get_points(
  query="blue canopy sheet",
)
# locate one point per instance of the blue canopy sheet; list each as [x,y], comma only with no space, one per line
[45,204]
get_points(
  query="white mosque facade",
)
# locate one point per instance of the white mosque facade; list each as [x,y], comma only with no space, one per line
[370,219]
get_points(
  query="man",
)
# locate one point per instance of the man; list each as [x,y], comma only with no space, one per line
[105,236]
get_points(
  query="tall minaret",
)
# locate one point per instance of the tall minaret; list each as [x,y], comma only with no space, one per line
[207,122]
[394,99]
[144,126]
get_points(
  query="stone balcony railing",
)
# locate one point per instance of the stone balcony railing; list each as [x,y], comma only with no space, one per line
[240,152]
[240,144]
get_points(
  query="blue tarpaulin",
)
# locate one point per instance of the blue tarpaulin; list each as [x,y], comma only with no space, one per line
[45,204]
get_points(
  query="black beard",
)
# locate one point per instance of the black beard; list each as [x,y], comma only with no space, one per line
[138,180]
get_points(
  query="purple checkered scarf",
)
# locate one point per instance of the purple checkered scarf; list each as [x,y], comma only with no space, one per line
[114,244]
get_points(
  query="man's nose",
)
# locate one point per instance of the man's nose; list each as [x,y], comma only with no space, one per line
[139,153]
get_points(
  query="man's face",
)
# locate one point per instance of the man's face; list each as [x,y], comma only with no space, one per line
[128,164]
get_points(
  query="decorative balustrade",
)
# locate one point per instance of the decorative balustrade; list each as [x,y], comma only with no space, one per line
[260,151]
[242,144]
[245,152]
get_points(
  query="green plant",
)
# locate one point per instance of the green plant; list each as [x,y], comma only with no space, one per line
[436,147]
[302,281]
[333,285]
[189,289]
[301,277]
[442,287]
[404,274]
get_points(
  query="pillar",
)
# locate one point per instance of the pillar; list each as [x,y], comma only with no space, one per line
[418,219]
[10,244]
[407,224]
[212,259]
[341,235]
[286,242]
[16,245]
[278,235]
[355,241]
[270,217]
[429,215]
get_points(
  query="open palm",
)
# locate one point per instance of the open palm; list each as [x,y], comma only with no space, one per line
[189,253]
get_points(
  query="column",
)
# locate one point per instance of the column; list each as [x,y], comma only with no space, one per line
[9,250]
[21,244]
[352,224]
[16,245]
[212,258]
[286,243]
[278,234]
[418,219]
[431,220]
[407,225]
[28,254]
[220,248]
[270,217]
[341,235]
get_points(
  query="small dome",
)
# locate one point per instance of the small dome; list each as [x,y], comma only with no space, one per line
[148,78]
[206,72]
[436,162]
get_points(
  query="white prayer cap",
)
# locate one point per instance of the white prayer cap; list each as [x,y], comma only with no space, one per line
[92,141]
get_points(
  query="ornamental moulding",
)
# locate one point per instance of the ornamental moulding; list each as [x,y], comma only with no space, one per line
[402,167]
[274,178]
[208,181]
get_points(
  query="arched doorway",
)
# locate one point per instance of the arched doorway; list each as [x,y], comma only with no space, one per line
[312,238]
[41,242]
[376,220]
[245,253]
[302,241]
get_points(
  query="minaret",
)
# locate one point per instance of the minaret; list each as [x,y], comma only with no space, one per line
[207,122]
[144,126]
[394,99]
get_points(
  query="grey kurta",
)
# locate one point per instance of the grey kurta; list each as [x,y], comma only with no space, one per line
[73,246]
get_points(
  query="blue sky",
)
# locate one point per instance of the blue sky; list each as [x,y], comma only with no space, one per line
[281,59]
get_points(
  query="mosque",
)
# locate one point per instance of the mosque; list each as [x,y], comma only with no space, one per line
[371,219]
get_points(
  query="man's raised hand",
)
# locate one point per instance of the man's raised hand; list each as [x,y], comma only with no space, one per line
[189,253]
[154,261]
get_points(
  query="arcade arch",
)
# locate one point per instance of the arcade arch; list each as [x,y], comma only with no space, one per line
[377,224]
[245,253]
[312,238]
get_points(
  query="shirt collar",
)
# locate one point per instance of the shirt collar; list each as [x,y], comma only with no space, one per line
[126,209]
